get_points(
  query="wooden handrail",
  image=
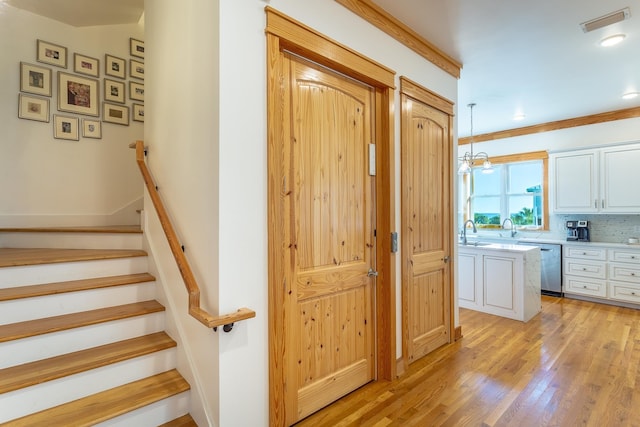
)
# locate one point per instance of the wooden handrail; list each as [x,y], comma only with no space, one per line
[195,310]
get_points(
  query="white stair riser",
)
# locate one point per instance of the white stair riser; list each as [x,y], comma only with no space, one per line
[48,273]
[71,240]
[52,393]
[30,349]
[72,302]
[154,414]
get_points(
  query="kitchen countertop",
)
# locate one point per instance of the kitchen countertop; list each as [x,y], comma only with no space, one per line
[506,247]
[507,241]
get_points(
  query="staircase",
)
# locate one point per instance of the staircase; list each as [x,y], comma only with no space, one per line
[82,339]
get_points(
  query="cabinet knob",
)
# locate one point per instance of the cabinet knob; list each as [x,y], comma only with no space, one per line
[633,274]
[584,253]
[633,257]
[584,269]
[633,293]
[584,286]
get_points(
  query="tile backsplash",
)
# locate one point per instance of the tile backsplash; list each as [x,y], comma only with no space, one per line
[602,228]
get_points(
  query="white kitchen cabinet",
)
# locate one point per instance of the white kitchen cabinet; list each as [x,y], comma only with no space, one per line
[468,280]
[619,173]
[611,274]
[596,181]
[502,276]
[585,271]
[574,181]
[499,281]
[624,275]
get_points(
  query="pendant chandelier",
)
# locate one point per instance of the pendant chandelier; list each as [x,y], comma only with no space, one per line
[469,159]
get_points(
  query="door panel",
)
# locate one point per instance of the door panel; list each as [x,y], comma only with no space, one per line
[426,228]
[329,306]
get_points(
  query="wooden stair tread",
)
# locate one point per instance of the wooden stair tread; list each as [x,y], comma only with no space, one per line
[108,404]
[28,374]
[13,257]
[35,327]
[84,229]
[183,421]
[72,286]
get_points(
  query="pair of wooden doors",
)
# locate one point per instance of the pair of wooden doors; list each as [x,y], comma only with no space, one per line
[332,267]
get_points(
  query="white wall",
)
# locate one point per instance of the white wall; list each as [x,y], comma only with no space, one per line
[181,131]
[47,181]
[206,128]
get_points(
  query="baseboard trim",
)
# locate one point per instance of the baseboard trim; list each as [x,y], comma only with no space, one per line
[400,366]
[457,333]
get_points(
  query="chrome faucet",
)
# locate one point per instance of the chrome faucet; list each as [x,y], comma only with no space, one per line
[513,227]
[464,230]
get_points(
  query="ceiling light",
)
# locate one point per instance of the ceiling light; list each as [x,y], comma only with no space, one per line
[468,160]
[630,95]
[612,40]
[519,117]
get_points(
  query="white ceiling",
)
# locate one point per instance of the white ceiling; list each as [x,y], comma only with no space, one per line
[518,56]
[529,57]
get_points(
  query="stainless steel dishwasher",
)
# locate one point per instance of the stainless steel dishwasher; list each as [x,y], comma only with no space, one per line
[551,267]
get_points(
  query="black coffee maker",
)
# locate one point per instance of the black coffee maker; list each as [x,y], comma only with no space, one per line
[578,231]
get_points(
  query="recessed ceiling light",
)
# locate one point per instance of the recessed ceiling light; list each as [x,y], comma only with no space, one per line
[630,95]
[612,40]
[519,117]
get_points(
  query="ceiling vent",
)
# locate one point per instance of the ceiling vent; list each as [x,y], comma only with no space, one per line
[603,21]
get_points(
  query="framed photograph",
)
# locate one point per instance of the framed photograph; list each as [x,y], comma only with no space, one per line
[35,79]
[136,48]
[65,127]
[50,53]
[114,66]
[138,113]
[78,94]
[136,91]
[136,69]
[33,108]
[118,114]
[114,91]
[86,65]
[91,128]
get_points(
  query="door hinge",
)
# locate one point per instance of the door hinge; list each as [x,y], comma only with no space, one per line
[372,159]
[394,242]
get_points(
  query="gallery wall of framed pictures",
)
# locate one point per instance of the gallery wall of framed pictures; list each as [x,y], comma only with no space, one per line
[85,99]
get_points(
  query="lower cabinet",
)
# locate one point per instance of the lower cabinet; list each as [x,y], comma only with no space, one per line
[611,274]
[505,283]
[468,293]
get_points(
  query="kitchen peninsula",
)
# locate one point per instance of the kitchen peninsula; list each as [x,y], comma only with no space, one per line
[500,279]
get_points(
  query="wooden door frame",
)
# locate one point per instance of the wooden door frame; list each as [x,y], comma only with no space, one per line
[284,33]
[420,94]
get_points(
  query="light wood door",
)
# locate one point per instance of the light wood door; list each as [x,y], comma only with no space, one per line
[426,216]
[329,301]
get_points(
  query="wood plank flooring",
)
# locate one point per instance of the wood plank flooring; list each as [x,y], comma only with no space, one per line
[576,363]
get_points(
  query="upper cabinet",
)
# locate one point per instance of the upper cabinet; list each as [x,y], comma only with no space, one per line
[596,180]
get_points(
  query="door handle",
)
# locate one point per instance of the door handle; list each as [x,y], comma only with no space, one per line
[446,259]
[372,273]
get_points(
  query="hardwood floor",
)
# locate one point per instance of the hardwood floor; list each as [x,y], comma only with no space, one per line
[576,363]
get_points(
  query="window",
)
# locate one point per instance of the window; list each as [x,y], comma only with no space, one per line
[515,190]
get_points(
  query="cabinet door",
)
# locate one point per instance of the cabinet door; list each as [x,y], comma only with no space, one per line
[468,295]
[499,281]
[574,182]
[619,173]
